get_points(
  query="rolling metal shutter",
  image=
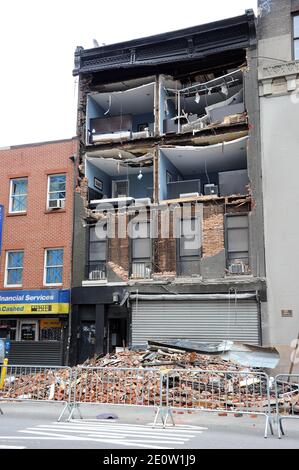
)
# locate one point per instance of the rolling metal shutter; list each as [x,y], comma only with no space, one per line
[204,321]
[35,353]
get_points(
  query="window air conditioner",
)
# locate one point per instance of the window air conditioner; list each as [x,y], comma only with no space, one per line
[97,275]
[57,204]
[141,271]
[237,268]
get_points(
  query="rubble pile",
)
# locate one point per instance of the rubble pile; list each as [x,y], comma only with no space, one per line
[133,378]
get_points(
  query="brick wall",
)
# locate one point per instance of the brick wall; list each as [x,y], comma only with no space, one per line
[213,229]
[37,229]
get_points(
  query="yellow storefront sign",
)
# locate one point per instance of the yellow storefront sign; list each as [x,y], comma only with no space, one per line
[31,309]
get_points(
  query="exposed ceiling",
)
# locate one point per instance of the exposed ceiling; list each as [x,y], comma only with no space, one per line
[214,158]
[136,101]
[116,168]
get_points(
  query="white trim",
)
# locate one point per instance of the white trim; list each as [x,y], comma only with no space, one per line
[10,211]
[48,188]
[45,268]
[6,269]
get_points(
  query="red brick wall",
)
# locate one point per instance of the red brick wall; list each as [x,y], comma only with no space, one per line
[38,229]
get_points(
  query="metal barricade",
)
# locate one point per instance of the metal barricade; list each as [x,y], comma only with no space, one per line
[287,399]
[38,384]
[118,386]
[219,391]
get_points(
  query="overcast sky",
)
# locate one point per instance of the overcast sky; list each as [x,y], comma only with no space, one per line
[38,39]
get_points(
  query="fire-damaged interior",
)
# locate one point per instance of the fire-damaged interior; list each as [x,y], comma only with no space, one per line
[160,133]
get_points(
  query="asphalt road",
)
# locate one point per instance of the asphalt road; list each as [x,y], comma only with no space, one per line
[34,426]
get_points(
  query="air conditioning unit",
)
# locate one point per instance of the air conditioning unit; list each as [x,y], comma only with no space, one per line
[97,275]
[143,201]
[189,195]
[56,204]
[237,268]
[141,271]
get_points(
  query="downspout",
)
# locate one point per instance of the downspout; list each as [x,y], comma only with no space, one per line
[73,158]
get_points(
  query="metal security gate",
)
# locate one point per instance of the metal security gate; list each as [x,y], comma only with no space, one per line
[36,352]
[204,321]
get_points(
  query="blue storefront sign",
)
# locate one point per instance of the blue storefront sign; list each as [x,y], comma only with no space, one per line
[1,224]
[30,302]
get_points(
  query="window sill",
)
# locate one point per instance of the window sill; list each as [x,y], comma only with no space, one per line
[15,214]
[53,285]
[54,211]
[13,286]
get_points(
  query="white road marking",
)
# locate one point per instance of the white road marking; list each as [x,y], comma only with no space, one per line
[12,447]
[117,434]
[123,430]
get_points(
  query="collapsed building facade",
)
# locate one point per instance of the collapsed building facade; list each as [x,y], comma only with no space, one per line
[169,172]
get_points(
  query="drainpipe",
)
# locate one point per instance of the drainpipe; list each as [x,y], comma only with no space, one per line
[73,158]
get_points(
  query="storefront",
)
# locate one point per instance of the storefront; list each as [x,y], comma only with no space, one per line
[36,323]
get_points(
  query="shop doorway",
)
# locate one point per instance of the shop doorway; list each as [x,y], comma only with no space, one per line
[117,333]
[87,337]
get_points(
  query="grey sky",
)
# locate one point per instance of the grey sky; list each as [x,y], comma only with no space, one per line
[38,39]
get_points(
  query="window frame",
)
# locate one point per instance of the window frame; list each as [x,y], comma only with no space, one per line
[6,284]
[294,38]
[48,188]
[45,283]
[226,229]
[21,178]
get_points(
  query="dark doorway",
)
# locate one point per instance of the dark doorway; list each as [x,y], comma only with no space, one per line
[87,335]
[117,333]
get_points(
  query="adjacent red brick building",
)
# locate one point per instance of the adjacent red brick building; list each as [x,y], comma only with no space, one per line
[36,193]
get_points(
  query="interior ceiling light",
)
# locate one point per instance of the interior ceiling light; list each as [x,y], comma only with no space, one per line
[197,97]
[140,176]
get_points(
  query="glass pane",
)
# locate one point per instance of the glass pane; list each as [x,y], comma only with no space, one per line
[54,257]
[60,195]
[240,221]
[15,259]
[28,331]
[238,240]
[57,183]
[19,186]
[296,49]
[142,248]
[98,232]
[14,276]
[97,251]
[18,203]
[54,276]
[296,26]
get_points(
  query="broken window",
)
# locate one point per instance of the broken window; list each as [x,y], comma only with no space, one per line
[97,255]
[141,249]
[237,243]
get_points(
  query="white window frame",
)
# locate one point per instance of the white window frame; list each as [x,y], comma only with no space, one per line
[30,322]
[6,269]
[11,195]
[48,188]
[45,267]
[114,184]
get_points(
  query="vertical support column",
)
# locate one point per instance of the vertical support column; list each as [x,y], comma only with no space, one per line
[100,328]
